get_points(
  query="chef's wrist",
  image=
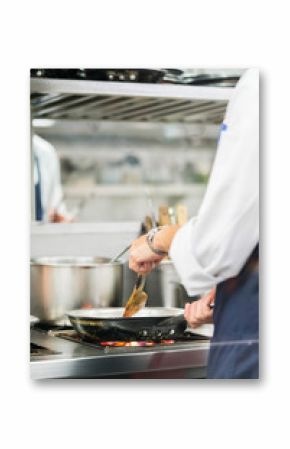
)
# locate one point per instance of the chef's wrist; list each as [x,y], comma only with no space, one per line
[164,236]
[150,241]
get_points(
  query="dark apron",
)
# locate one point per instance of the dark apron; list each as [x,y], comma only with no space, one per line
[234,351]
[38,202]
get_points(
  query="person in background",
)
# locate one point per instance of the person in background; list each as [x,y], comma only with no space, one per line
[49,204]
[216,253]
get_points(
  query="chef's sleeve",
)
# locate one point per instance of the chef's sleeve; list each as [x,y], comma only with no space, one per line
[215,245]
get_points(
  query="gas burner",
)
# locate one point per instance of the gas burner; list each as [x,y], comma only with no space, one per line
[141,343]
[72,335]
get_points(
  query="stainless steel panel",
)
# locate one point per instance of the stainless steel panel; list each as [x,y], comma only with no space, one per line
[74,360]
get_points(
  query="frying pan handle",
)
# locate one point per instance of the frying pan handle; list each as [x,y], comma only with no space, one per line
[177,321]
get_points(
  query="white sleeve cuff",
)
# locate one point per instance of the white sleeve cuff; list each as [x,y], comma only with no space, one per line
[193,276]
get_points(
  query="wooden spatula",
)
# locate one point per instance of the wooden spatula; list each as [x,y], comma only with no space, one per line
[137,299]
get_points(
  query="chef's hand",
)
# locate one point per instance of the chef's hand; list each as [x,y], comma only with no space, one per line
[141,258]
[199,312]
[55,217]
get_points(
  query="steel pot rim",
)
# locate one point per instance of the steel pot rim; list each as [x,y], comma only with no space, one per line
[74,261]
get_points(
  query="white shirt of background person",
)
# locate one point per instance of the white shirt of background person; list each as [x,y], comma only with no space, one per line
[50,181]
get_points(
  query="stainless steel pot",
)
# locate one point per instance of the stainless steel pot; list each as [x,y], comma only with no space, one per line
[60,284]
[172,292]
[168,281]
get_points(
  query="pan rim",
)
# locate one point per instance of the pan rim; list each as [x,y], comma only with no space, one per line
[92,314]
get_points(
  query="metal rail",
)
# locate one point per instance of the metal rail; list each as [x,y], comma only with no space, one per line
[134,102]
[84,87]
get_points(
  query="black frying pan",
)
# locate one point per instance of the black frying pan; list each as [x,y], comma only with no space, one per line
[108,324]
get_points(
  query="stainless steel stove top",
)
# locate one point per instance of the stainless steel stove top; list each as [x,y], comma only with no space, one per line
[59,353]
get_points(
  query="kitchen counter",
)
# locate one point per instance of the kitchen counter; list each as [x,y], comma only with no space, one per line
[70,359]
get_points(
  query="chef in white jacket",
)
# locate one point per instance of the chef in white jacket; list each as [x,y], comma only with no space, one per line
[49,204]
[216,253]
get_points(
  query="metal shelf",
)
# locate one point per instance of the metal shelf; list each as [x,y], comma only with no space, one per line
[135,102]
[128,190]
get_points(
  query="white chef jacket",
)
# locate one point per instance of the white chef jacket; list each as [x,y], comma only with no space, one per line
[215,245]
[50,182]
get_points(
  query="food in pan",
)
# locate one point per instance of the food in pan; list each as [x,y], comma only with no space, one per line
[136,301]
